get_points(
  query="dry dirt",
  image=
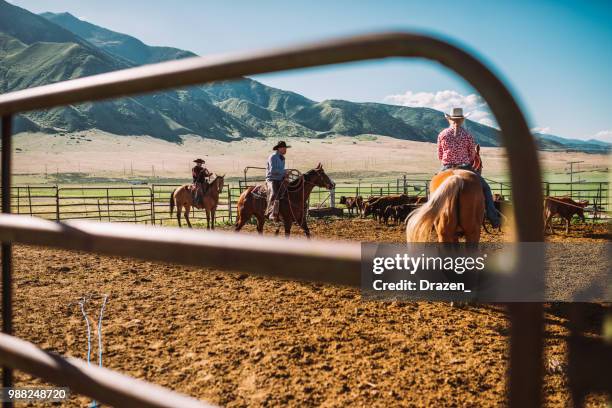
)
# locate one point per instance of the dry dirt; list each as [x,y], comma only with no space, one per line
[238,340]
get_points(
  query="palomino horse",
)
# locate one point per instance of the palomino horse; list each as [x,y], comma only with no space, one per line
[291,210]
[456,205]
[182,198]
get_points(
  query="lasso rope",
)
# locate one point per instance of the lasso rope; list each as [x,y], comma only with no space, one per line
[82,302]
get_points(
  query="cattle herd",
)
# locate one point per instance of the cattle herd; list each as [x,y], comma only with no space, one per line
[396,208]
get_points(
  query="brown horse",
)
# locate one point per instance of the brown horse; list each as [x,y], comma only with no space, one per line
[456,205]
[182,197]
[292,210]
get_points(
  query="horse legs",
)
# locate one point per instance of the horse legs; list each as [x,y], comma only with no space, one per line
[212,216]
[207,219]
[178,215]
[287,228]
[239,224]
[549,223]
[261,219]
[472,236]
[187,209]
[567,225]
[305,228]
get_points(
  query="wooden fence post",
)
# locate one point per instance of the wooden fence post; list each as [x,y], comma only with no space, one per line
[30,200]
[18,195]
[107,205]
[57,204]
[152,191]
[229,202]
[134,205]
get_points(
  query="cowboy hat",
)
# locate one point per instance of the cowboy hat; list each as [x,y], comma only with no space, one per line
[455,113]
[280,144]
[199,161]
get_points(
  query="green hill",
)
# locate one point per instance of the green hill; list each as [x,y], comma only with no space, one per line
[117,44]
[36,52]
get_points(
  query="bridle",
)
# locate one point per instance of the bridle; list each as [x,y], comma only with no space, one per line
[300,185]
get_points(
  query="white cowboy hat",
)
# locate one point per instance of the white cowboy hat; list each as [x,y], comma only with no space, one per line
[455,113]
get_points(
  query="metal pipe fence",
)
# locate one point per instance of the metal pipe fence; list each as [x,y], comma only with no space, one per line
[149,204]
[241,253]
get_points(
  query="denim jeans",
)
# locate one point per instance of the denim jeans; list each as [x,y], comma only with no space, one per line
[490,209]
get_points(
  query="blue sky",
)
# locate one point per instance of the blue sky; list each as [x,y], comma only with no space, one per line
[555,55]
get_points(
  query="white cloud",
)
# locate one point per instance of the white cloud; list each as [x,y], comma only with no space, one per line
[538,129]
[472,104]
[604,135]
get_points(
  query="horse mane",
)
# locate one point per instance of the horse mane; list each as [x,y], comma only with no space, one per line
[297,181]
[215,179]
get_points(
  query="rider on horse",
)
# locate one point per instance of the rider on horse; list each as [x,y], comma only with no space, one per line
[200,175]
[457,149]
[275,175]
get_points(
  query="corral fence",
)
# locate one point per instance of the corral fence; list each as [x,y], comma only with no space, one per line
[150,204]
[336,263]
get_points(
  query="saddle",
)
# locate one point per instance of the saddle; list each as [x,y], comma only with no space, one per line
[261,191]
[193,188]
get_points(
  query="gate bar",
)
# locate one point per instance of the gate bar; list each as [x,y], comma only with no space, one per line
[321,261]
[526,366]
[7,250]
[100,383]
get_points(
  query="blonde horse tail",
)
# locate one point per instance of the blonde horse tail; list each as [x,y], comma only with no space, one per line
[172,202]
[421,221]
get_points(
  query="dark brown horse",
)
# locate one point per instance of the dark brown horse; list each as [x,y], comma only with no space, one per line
[292,209]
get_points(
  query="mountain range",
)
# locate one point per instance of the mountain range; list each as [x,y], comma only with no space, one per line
[52,47]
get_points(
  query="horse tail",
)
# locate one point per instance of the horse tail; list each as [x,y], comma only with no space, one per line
[241,204]
[172,202]
[420,222]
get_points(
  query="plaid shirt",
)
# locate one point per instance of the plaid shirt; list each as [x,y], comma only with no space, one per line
[456,148]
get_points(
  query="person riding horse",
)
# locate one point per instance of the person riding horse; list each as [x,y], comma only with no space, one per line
[200,175]
[275,175]
[457,149]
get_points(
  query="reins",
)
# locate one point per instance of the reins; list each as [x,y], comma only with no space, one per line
[300,185]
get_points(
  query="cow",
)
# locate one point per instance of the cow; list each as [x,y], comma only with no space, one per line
[498,202]
[388,212]
[353,203]
[378,205]
[397,212]
[563,207]
[402,211]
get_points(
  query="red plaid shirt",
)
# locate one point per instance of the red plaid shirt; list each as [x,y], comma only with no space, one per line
[456,148]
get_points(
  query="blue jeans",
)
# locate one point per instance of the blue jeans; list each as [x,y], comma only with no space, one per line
[490,209]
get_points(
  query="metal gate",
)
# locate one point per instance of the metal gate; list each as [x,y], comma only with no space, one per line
[586,369]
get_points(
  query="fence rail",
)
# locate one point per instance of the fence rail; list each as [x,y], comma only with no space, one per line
[149,204]
[100,383]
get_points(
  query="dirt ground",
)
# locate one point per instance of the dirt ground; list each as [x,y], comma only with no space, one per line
[238,340]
